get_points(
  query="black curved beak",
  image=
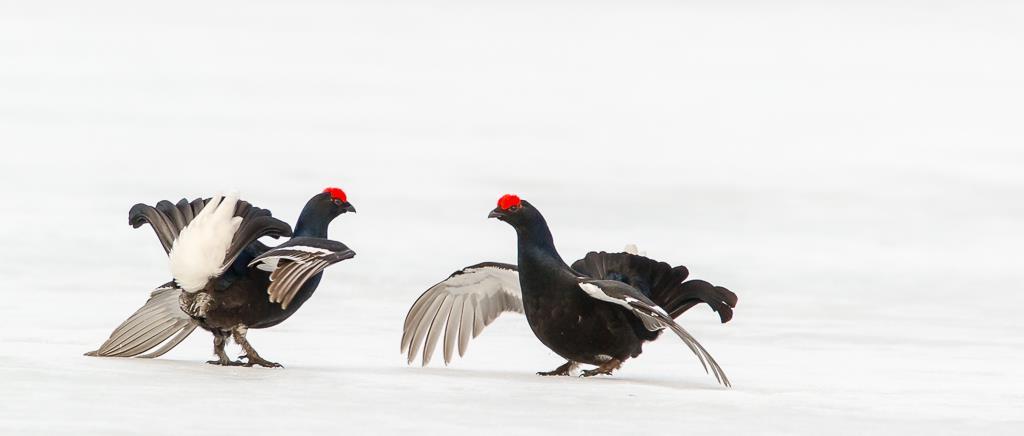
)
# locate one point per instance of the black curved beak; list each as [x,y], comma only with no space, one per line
[348,207]
[496,213]
[347,254]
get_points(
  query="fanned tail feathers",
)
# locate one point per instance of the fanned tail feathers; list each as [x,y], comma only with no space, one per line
[659,281]
[166,219]
[694,292]
[205,248]
[201,247]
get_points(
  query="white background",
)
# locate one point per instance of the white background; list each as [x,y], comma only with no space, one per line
[854,171]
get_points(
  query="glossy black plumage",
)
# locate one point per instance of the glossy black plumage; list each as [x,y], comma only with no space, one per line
[600,311]
[237,299]
[584,328]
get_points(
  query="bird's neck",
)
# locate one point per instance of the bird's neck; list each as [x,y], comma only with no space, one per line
[537,249]
[313,222]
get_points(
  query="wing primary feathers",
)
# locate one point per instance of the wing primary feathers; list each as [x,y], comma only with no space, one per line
[186,330]
[451,328]
[466,325]
[159,321]
[155,337]
[141,333]
[413,317]
[478,318]
[146,314]
[293,263]
[435,328]
[458,308]
[423,326]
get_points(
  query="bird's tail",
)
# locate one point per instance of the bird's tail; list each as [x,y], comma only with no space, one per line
[166,219]
[662,283]
[200,250]
[203,237]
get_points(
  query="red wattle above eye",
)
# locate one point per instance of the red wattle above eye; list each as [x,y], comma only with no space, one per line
[337,194]
[508,201]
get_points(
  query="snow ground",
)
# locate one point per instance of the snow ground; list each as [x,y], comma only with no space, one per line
[853,171]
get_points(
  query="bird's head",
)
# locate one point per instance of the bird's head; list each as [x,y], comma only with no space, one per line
[511,209]
[320,210]
[327,205]
[333,201]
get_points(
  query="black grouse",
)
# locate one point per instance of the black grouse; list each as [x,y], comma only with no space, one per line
[225,280]
[600,311]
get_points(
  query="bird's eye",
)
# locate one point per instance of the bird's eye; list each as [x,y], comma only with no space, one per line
[337,202]
[514,208]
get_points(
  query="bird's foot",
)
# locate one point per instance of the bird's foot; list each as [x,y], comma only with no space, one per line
[257,360]
[251,356]
[595,371]
[225,362]
[563,370]
[605,369]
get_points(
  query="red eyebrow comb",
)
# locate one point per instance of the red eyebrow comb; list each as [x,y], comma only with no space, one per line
[336,193]
[509,201]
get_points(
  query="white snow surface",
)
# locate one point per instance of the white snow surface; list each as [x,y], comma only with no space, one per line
[854,171]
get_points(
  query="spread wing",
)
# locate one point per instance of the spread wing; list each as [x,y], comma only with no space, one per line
[159,321]
[653,317]
[293,263]
[459,308]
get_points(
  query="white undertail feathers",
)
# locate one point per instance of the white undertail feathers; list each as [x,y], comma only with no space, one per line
[633,249]
[199,251]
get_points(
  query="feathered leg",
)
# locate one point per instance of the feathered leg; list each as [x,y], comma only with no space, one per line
[565,369]
[605,368]
[252,357]
[220,340]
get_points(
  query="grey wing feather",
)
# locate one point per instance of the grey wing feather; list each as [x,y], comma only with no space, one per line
[458,308]
[293,263]
[159,321]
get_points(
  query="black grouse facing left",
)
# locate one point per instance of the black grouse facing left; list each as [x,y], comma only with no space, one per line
[600,311]
[225,280]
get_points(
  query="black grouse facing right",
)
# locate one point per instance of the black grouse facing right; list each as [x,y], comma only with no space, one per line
[600,311]
[225,280]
